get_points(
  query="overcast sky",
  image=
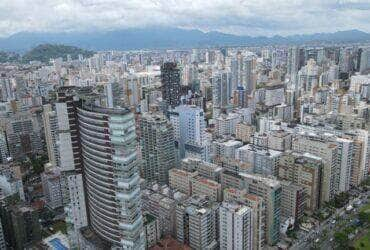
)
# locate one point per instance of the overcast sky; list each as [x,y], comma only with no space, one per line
[249,17]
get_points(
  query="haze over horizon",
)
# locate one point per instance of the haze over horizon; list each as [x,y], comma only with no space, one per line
[240,17]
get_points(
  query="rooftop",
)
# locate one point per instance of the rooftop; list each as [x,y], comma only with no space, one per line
[268,181]
[235,207]
[148,218]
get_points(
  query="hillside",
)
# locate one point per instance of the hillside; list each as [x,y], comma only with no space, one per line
[44,52]
[166,37]
[8,57]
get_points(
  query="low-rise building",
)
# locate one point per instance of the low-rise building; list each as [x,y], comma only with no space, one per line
[181,180]
[209,188]
[244,132]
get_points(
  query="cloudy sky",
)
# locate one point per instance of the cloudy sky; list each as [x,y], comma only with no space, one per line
[249,17]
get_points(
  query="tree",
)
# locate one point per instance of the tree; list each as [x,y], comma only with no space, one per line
[341,199]
[364,217]
[341,240]
[38,163]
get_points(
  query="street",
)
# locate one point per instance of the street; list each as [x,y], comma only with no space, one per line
[322,237]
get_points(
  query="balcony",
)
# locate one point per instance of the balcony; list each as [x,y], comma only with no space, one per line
[132,226]
[124,159]
[130,183]
[127,197]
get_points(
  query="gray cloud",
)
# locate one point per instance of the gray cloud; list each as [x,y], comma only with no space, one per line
[252,17]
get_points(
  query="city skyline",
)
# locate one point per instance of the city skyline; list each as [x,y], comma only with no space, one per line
[161,137]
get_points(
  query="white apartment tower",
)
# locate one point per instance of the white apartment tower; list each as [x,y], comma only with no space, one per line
[64,151]
[189,126]
[235,225]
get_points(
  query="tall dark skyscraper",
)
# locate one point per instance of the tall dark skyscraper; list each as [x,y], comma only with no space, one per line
[171,88]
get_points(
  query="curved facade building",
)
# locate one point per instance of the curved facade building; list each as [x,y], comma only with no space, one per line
[111,175]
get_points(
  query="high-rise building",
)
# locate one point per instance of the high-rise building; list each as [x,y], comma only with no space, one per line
[111,174]
[11,184]
[132,85]
[278,58]
[365,60]
[115,94]
[231,179]
[2,239]
[205,169]
[64,151]
[224,149]
[274,94]
[240,97]
[76,208]
[69,148]
[308,77]
[360,167]
[249,78]
[225,124]
[258,212]
[270,191]
[196,223]
[50,128]
[328,152]
[221,92]
[345,60]
[304,170]
[293,201]
[152,230]
[157,147]
[280,140]
[235,226]
[293,63]
[7,89]
[237,70]
[345,162]
[189,130]
[52,188]
[264,161]
[4,152]
[171,88]
[23,131]
[21,225]
[162,207]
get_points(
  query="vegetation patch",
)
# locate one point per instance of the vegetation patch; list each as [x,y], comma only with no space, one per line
[363,242]
[44,52]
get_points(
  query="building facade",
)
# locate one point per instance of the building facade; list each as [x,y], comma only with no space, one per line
[111,174]
[157,147]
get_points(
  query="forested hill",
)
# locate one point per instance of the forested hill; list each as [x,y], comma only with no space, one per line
[44,52]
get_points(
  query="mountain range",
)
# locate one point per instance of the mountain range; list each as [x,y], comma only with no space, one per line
[165,38]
